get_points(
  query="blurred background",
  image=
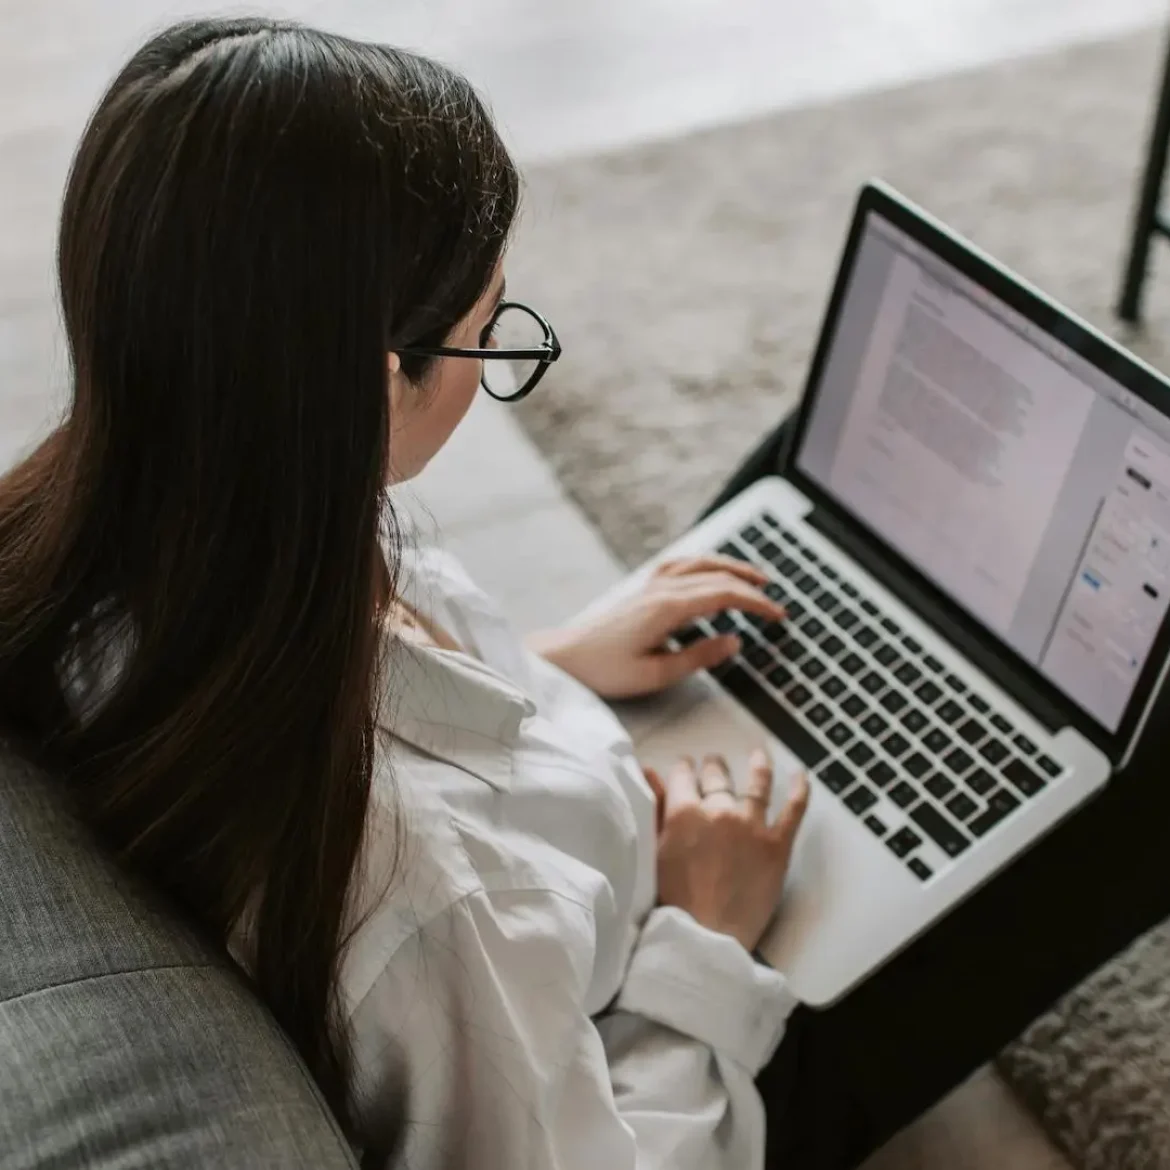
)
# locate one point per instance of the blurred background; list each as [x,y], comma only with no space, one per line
[691,164]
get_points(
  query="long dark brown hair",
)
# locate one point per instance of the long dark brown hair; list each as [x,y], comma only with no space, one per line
[256,215]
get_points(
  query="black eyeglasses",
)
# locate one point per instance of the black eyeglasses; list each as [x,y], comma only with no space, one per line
[518,346]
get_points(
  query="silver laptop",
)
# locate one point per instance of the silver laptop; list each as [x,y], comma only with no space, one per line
[971,532]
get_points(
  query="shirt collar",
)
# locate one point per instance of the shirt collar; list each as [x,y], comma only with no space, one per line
[454,708]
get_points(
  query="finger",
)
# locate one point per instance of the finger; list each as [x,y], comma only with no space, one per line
[659,790]
[715,784]
[714,562]
[711,593]
[672,666]
[757,793]
[788,822]
[682,786]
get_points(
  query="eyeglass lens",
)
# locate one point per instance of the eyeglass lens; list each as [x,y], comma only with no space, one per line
[515,328]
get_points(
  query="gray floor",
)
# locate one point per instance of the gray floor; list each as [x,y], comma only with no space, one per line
[565,77]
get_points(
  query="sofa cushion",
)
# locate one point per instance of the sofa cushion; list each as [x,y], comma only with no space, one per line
[124,1040]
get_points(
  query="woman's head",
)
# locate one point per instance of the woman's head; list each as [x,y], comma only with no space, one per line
[258,216]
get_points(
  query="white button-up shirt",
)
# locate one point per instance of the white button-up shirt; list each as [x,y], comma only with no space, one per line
[551,1016]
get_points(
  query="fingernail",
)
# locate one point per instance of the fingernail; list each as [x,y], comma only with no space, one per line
[733,644]
[759,759]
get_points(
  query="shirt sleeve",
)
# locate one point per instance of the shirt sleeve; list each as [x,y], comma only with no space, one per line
[508,1071]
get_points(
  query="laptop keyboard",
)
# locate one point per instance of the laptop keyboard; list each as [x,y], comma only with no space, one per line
[904,743]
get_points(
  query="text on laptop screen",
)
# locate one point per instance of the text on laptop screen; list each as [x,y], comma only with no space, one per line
[1028,485]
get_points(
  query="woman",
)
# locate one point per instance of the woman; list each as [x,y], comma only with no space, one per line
[281,254]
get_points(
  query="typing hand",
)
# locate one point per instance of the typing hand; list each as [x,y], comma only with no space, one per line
[718,857]
[621,653]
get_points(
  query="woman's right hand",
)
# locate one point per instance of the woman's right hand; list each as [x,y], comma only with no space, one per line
[718,858]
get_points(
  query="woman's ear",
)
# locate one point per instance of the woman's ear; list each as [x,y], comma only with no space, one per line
[393,363]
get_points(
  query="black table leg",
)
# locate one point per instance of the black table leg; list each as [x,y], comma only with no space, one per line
[1147,220]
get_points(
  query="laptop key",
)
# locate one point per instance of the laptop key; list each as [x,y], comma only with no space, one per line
[980,704]
[836,777]
[849,590]
[852,664]
[814,668]
[950,712]
[833,687]
[854,706]
[961,806]
[929,692]
[866,636]
[795,608]
[902,794]
[872,682]
[994,751]
[939,786]
[758,655]
[773,716]
[894,701]
[818,715]
[1001,724]
[956,684]
[914,720]
[1049,765]
[870,608]
[839,734]
[886,654]
[813,627]
[980,782]
[779,676]
[1027,781]
[908,674]
[730,549]
[999,804]
[753,535]
[797,697]
[875,825]
[791,650]
[940,830]
[1025,744]
[689,635]
[904,842]
[881,774]
[860,754]
[829,573]
[912,645]
[832,645]
[846,619]
[971,731]
[827,601]
[937,741]
[958,761]
[917,765]
[724,623]
[860,799]
[891,627]
[807,583]
[919,868]
[896,745]
[874,725]
[775,591]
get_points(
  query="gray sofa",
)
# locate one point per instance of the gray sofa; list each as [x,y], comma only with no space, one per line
[124,1041]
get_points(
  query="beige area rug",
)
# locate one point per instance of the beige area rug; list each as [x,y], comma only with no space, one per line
[687,281]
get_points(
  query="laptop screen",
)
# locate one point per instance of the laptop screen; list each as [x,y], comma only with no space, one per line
[1025,483]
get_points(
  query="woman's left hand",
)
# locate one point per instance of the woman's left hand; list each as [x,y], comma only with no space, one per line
[622,653]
